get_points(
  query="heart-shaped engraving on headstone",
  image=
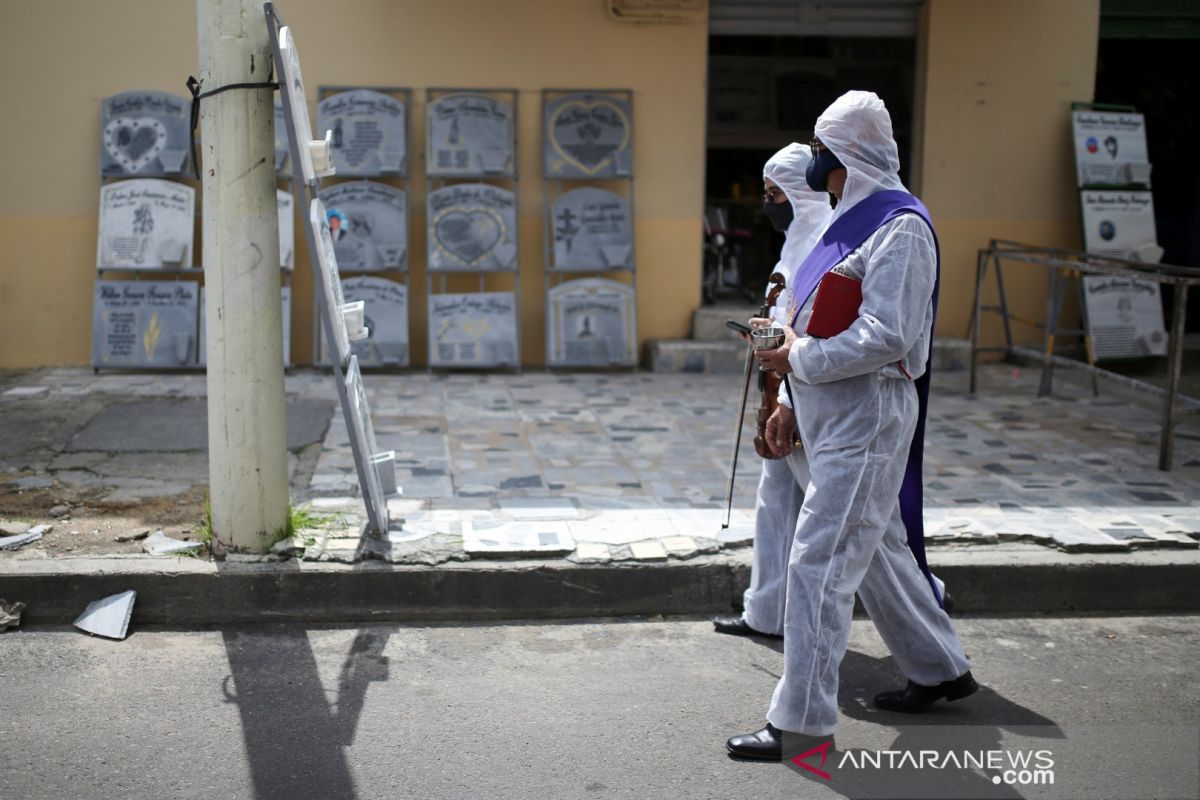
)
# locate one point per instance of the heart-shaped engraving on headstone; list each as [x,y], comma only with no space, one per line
[133,142]
[468,235]
[588,134]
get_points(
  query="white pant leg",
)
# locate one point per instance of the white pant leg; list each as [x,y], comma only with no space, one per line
[857,436]
[901,604]
[780,493]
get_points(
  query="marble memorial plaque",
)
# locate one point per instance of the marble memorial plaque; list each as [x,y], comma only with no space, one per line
[285,296]
[588,135]
[146,223]
[592,324]
[297,102]
[385,317]
[287,229]
[283,167]
[1107,144]
[469,134]
[386,313]
[369,132]
[144,324]
[473,330]
[362,441]
[592,230]
[145,134]
[368,222]
[472,226]
[330,280]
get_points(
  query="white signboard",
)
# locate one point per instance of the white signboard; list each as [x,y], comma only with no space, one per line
[1117,223]
[329,279]
[473,330]
[1125,317]
[1110,148]
[287,229]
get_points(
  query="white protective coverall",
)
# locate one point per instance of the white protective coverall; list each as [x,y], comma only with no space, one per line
[856,410]
[781,487]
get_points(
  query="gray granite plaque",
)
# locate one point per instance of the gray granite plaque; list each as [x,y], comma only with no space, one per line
[283,167]
[386,313]
[144,324]
[289,74]
[369,132]
[472,226]
[588,135]
[329,279]
[362,441]
[368,223]
[287,229]
[473,330]
[469,134]
[146,223]
[145,134]
[592,230]
[285,296]
[592,324]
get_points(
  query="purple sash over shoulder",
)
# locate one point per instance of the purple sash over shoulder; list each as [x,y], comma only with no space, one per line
[844,236]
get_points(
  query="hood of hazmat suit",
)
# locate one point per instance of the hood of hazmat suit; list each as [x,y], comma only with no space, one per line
[811,212]
[858,130]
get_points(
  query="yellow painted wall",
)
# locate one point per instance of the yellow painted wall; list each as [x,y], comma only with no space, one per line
[59,60]
[995,151]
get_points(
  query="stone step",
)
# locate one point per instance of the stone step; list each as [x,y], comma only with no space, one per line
[729,356]
[708,322]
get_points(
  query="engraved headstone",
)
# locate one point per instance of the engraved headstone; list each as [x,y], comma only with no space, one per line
[287,229]
[282,168]
[588,135]
[592,230]
[145,134]
[330,281]
[146,223]
[592,324]
[362,441]
[469,134]
[285,296]
[291,78]
[473,330]
[386,312]
[1110,148]
[369,132]
[368,224]
[144,324]
[472,226]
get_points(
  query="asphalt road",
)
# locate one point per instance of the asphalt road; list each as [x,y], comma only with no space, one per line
[597,709]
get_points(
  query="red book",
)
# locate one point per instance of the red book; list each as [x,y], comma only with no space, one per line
[836,305]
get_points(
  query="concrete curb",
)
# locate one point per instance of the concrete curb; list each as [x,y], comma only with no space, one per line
[184,592]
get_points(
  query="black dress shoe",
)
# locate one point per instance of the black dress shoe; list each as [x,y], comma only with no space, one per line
[762,745]
[737,626]
[914,697]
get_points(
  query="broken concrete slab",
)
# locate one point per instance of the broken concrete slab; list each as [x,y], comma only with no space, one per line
[22,539]
[108,617]
[14,528]
[10,614]
[484,538]
[159,544]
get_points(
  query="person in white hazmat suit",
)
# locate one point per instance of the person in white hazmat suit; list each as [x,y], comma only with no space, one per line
[801,214]
[857,408]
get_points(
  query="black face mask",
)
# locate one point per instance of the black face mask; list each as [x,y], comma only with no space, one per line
[817,172]
[779,214]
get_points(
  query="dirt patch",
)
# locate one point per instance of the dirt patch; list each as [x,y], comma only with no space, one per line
[91,526]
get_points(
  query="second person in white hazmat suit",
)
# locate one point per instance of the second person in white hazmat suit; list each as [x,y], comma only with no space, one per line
[857,410]
[794,208]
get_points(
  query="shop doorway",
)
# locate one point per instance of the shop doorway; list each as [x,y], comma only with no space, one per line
[772,68]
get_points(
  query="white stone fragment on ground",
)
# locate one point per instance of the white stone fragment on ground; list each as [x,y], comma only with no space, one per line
[108,617]
[22,539]
[10,614]
[490,537]
[648,551]
[159,544]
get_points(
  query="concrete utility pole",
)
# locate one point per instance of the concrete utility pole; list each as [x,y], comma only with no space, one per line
[247,422]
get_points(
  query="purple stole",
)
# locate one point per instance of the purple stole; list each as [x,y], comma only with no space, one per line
[844,236]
